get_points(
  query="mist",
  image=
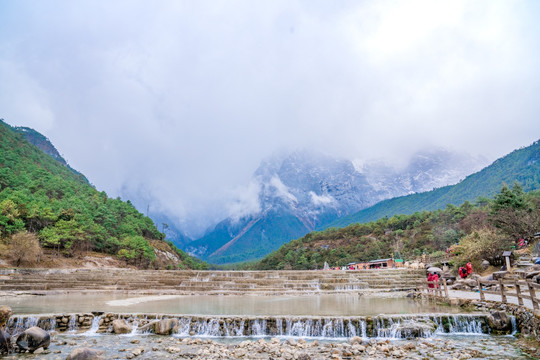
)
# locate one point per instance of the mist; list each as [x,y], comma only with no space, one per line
[176,103]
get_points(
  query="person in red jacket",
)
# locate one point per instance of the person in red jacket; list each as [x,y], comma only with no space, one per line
[463,272]
[469,268]
[430,278]
[435,278]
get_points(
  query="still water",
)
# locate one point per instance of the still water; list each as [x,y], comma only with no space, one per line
[316,305]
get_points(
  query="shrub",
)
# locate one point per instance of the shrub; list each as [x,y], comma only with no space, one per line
[24,248]
[484,244]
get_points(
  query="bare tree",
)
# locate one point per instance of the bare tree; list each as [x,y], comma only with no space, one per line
[24,248]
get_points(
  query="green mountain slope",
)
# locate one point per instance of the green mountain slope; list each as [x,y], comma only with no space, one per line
[41,142]
[483,231]
[522,165]
[40,195]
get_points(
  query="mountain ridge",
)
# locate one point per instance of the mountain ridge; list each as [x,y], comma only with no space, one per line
[521,165]
[300,192]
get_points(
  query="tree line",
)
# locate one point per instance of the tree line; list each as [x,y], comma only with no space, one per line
[470,232]
[57,207]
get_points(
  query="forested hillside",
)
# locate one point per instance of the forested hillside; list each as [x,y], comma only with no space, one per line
[482,230]
[50,204]
[522,165]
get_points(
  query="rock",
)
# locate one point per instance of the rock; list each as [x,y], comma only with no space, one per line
[173,350]
[121,327]
[448,276]
[291,342]
[356,340]
[487,278]
[471,283]
[33,338]
[498,320]
[138,351]
[485,264]
[5,314]
[458,285]
[162,327]
[5,342]
[498,275]
[415,328]
[304,357]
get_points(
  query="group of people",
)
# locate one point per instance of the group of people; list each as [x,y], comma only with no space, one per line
[465,271]
[432,278]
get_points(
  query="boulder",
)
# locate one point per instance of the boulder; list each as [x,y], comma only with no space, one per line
[459,285]
[470,282]
[448,276]
[487,278]
[485,264]
[33,339]
[120,327]
[498,320]
[474,276]
[414,328]
[498,275]
[5,314]
[85,354]
[162,327]
[356,340]
[5,342]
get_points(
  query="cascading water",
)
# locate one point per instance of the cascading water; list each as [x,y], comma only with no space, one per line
[514,325]
[72,324]
[17,325]
[94,327]
[384,326]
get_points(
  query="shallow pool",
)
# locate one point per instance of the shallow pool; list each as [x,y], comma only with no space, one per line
[314,305]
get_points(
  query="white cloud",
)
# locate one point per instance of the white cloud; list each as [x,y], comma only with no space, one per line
[282,190]
[321,199]
[185,98]
[246,201]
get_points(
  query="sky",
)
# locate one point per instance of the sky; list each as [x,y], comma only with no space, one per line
[179,101]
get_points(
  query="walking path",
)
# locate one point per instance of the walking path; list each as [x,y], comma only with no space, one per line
[474,295]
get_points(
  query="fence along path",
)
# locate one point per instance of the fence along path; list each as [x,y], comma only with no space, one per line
[523,294]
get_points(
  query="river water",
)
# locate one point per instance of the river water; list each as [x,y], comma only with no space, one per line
[316,305]
[326,318]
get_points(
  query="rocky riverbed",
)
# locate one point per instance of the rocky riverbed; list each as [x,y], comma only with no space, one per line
[169,347]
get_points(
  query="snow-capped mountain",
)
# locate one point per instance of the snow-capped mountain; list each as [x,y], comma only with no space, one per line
[303,191]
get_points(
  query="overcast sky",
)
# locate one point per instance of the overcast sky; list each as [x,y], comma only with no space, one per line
[181,100]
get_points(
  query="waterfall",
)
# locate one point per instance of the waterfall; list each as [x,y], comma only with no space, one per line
[18,324]
[94,328]
[383,326]
[514,325]
[259,328]
[72,324]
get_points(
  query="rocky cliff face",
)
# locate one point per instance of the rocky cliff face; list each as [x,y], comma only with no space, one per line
[303,191]
[43,143]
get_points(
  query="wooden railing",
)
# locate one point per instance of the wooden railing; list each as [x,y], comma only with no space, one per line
[503,291]
[440,288]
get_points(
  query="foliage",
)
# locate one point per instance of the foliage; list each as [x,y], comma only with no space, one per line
[188,262]
[24,248]
[408,236]
[514,213]
[522,166]
[484,244]
[42,196]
